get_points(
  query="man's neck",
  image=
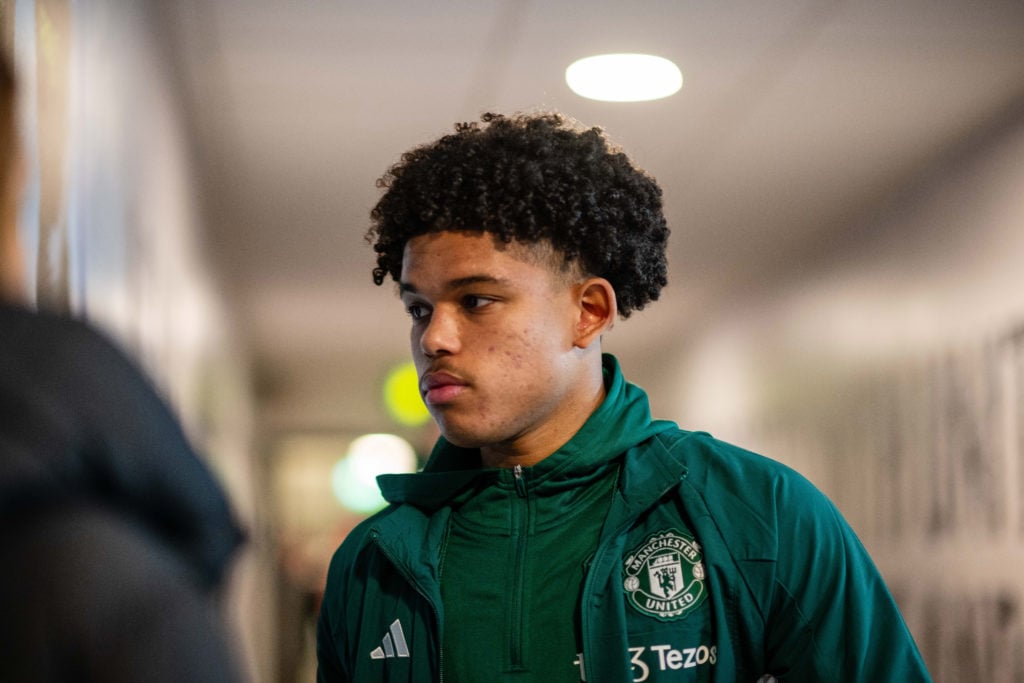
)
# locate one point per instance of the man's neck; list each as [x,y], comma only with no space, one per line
[530,448]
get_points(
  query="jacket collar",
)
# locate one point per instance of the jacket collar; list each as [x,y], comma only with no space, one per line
[622,421]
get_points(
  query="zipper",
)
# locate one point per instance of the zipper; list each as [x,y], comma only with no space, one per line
[517,472]
[603,545]
[375,535]
[440,628]
[522,527]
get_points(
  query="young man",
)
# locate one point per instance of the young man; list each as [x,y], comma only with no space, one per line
[558,533]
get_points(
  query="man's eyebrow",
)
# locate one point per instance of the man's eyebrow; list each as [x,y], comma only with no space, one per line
[457,283]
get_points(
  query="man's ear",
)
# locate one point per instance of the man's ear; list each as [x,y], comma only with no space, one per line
[597,311]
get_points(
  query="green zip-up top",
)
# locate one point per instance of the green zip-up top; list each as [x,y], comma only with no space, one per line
[518,542]
[678,558]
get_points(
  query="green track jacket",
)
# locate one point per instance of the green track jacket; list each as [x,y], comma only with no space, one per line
[712,564]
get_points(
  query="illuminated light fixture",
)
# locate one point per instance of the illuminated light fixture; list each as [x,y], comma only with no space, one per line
[624,77]
[402,396]
[354,477]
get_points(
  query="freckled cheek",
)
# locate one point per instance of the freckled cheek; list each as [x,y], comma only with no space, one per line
[514,357]
[518,350]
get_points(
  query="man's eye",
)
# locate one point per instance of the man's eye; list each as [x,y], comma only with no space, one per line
[416,311]
[474,301]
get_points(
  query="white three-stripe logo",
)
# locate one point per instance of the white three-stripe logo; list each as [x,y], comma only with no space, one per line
[393,644]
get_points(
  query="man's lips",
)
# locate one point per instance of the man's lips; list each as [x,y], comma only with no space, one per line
[440,387]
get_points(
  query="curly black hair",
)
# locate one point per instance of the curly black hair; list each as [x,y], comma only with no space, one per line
[530,178]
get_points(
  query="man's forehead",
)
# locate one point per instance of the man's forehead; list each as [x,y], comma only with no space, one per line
[455,283]
[433,246]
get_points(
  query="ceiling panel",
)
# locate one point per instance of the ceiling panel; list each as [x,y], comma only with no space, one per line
[795,119]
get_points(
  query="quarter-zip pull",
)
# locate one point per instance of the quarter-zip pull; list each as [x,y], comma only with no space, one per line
[517,472]
[521,535]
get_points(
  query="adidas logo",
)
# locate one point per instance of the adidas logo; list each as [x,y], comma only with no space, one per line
[393,644]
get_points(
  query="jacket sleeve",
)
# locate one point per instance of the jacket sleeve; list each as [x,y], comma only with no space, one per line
[328,665]
[330,668]
[831,617]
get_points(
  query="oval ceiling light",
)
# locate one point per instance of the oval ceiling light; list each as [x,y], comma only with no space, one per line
[624,77]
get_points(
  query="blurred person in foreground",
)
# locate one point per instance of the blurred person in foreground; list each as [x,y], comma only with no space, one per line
[558,532]
[115,537]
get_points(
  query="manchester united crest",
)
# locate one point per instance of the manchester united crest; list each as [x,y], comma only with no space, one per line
[664,577]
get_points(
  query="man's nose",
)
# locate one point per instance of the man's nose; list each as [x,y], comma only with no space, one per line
[441,335]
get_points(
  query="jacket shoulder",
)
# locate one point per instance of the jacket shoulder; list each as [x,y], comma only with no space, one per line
[333,628]
[719,463]
[400,529]
[386,563]
[347,553]
[749,496]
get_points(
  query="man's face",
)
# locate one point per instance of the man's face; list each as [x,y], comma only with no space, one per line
[492,337]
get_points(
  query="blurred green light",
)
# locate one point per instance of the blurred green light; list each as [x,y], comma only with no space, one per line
[402,396]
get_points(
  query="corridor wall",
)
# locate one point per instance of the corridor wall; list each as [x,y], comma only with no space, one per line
[893,377]
[113,224]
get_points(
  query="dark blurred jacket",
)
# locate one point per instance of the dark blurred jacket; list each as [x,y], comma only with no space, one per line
[114,536]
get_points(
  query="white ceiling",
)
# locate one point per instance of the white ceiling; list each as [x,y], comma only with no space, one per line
[797,119]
